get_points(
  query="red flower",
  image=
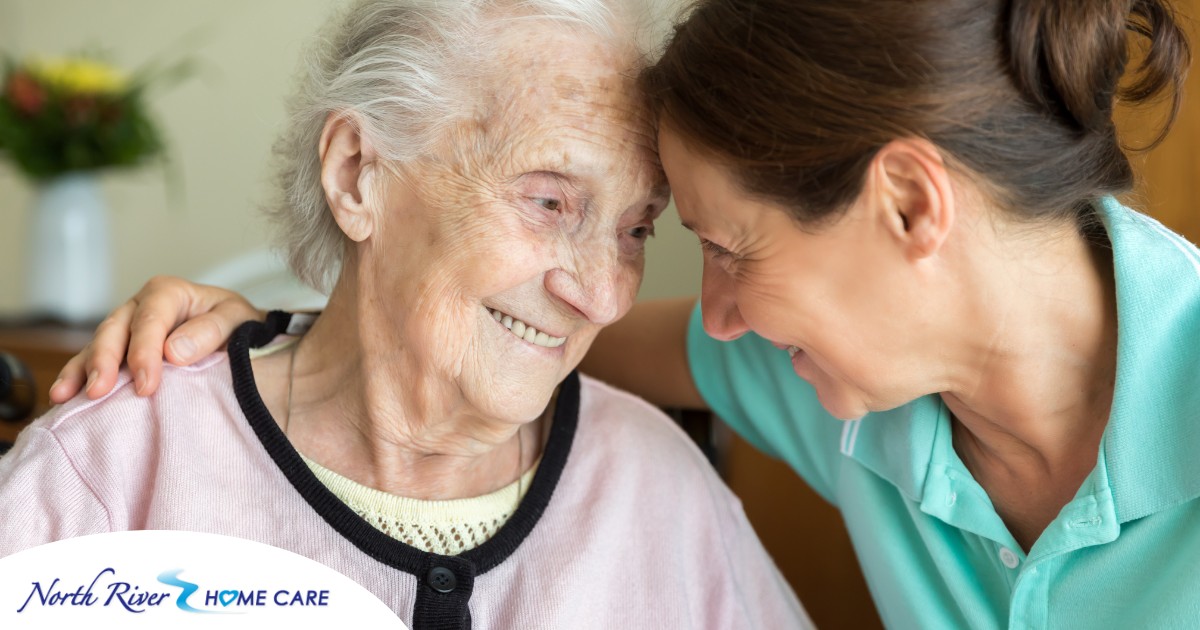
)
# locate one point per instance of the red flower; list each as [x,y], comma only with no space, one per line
[26,94]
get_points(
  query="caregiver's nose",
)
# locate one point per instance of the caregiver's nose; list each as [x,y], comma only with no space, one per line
[718,306]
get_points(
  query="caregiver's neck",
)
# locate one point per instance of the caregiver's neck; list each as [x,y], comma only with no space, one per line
[366,406]
[1033,352]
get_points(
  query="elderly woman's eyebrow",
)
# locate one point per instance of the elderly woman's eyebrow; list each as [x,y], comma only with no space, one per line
[561,174]
[574,183]
[661,194]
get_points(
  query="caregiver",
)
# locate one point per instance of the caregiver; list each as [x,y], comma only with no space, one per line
[909,206]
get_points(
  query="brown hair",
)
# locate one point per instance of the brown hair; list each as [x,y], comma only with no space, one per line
[795,97]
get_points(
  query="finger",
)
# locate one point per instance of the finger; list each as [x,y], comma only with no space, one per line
[163,305]
[103,356]
[70,379]
[208,333]
[234,309]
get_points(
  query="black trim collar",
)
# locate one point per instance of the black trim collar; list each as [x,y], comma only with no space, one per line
[371,541]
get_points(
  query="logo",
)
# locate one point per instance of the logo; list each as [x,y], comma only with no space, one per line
[135,598]
[212,580]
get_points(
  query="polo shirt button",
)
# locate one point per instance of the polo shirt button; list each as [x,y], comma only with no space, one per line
[1009,558]
[441,579]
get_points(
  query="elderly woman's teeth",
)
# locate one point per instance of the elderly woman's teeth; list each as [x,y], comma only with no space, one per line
[526,332]
[792,350]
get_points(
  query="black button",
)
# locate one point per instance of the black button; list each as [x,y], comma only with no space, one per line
[441,579]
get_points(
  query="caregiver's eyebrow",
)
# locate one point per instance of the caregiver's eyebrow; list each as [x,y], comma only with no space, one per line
[696,229]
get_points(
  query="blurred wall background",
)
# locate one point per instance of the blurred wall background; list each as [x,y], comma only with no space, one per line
[220,125]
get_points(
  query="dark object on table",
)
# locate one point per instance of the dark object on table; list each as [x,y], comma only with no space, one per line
[704,429]
[17,392]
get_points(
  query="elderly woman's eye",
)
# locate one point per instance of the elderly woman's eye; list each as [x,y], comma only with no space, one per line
[553,205]
[642,232]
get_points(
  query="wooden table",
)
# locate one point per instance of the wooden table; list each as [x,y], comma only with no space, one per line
[44,348]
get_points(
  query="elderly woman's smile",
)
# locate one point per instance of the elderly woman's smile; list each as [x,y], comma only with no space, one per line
[526,331]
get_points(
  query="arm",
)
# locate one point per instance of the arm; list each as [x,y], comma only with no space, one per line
[760,596]
[42,496]
[645,352]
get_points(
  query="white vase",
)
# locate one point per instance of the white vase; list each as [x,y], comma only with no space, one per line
[68,259]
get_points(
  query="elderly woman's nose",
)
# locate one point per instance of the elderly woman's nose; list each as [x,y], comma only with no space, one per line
[595,289]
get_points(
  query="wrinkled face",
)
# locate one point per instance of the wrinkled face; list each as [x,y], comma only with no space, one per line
[834,297]
[507,253]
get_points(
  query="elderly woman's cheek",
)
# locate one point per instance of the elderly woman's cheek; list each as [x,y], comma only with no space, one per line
[489,252]
[628,282]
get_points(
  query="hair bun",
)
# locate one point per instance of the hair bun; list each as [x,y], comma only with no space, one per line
[1069,57]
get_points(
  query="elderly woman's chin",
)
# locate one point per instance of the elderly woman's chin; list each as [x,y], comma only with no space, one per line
[512,396]
[518,405]
[513,380]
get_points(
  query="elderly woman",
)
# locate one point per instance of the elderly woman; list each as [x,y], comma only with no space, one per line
[476,182]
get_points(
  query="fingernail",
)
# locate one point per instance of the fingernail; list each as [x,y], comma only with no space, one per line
[55,383]
[91,380]
[139,381]
[183,347]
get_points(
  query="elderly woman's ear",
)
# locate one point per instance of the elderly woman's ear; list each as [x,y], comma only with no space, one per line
[347,170]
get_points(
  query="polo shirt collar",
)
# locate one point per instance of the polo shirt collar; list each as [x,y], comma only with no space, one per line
[897,445]
[1153,431]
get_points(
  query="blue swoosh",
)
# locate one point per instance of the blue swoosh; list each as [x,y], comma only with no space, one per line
[172,578]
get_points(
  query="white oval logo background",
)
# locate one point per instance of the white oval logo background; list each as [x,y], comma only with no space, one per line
[173,579]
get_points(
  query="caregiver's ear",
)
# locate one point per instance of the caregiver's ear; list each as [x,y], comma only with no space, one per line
[914,195]
[347,166]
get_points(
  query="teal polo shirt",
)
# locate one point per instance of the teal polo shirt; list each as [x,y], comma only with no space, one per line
[1124,553]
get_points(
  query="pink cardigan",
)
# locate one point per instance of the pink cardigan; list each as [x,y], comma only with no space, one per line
[625,524]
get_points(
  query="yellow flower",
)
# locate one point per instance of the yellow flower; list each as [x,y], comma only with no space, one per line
[79,76]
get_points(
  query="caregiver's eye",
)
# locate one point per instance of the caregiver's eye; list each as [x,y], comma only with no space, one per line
[716,250]
[552,205]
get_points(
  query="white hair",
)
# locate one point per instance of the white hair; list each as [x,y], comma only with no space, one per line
[393,64]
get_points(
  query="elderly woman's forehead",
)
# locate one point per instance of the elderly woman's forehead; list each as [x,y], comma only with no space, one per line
[579,86]
[539,53]
[552,99]
[508,38]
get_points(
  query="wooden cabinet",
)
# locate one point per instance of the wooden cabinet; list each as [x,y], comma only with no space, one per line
[1169,175]
[44,349]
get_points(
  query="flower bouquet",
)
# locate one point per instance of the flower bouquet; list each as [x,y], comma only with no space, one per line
[71,115]
[62,121]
